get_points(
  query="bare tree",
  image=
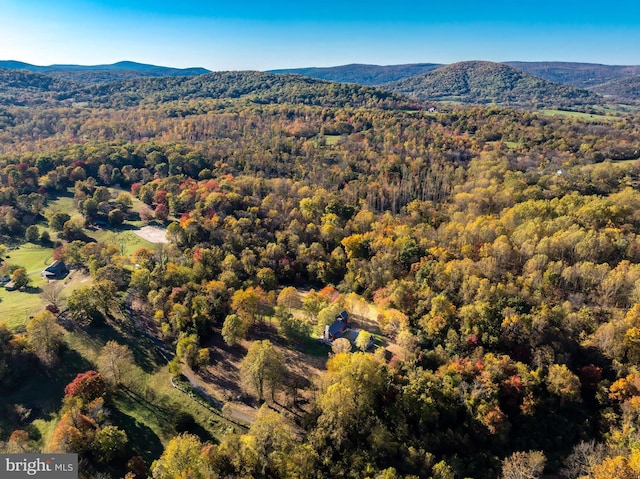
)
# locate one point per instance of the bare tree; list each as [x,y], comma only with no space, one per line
[52,294]
[523,465]
[114,361]
[584,457]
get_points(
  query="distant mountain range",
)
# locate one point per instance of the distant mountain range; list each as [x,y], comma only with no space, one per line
[103,73]
[616,82]
[521,84]
[582,75]
[24,88]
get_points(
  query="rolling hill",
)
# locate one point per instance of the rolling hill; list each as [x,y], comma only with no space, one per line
[363,74]
[24,88]
[486,82]
[623,89]
[257,87]
[103,73]
[582,75]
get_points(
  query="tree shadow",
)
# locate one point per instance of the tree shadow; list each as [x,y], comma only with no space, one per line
[144,353]
[142,440]
[32,289]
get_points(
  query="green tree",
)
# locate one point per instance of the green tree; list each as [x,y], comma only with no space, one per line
[294,328]
[187,349]
[563,383]
[90,209]
[20,278]
[32,234]
[116,217]
[262,367]
[57,221]
[124,202]
[45,237]
[92,303]
[45,336]
[109,443]
[233,329]
[267,279]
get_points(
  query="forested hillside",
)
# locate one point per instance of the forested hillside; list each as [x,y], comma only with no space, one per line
[103,73]
[26,89]
[491,85]
[581,75]
[374,75]
[494,254]
[487,82]
[623,88]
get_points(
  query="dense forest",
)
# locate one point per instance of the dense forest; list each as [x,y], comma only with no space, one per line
[500,249]
[488,82]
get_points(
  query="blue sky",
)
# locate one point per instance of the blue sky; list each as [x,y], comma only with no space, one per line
[261,35]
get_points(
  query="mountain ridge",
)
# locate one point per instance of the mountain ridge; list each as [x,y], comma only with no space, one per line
[578,74]
[104,73]
[482,82]
[24,88]
[362,74]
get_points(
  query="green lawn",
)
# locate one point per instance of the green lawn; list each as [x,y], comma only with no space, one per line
[63,204]
[580,115]
[127,240]
[17,306]
[146,408]
[331,139]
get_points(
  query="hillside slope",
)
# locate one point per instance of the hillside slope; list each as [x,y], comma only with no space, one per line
[624,89]
[124,70]
[258,87]
[23,88]
[363,74]
[487,82]
[582,75]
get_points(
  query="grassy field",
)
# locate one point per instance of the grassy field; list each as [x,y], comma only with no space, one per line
[332,139]
[146,407]
[63,204]
[580,115]
[127,240]
[17,306]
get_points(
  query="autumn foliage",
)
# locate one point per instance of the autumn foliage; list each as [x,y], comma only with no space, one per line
[86,386]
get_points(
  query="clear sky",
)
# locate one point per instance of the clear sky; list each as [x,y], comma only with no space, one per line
[262,35]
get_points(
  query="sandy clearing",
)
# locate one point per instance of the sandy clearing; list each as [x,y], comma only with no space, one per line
[153,234]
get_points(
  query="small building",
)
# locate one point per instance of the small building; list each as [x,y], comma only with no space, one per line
[10,286]
[337,328]
[56,270]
